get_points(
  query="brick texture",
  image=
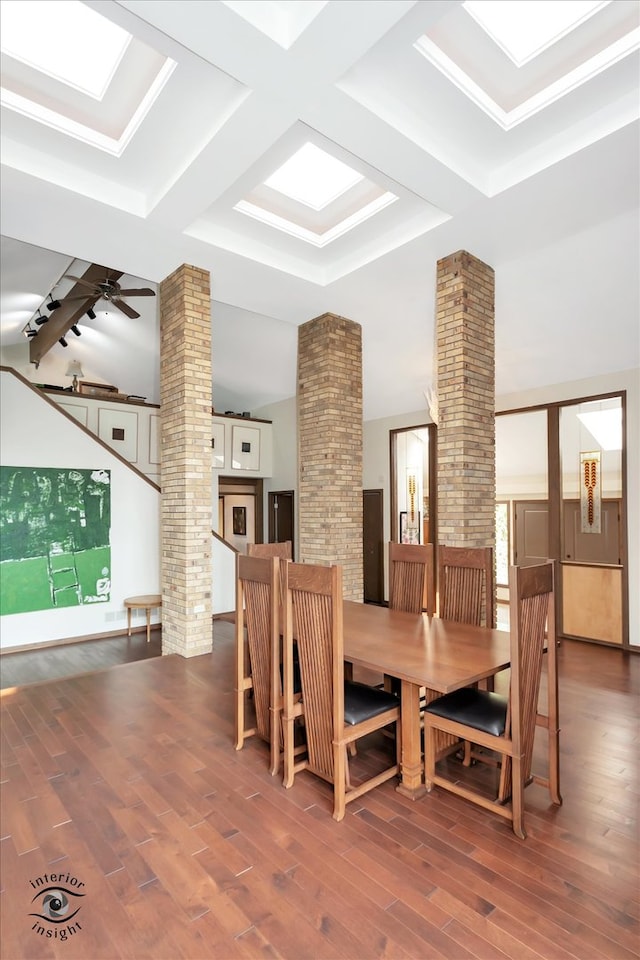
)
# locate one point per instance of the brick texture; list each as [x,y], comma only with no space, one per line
[330,446]
[465,329]
[185,395]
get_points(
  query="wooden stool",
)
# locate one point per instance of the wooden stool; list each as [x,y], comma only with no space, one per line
[145,602]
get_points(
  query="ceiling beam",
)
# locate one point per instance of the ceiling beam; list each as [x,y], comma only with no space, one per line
[69,312]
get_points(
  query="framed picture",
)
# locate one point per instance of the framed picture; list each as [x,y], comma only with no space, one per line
[409,530]
[245,448]
[119,429]
[240,521]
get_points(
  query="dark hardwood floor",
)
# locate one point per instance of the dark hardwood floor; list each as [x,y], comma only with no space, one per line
[125,780]
[66,660]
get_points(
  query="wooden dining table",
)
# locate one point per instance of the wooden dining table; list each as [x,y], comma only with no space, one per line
[423,651]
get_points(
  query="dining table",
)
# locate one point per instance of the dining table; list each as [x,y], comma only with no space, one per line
[424,651]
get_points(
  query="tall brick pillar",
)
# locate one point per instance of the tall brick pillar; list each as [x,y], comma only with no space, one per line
[465,329]
[330,446]
[185,396]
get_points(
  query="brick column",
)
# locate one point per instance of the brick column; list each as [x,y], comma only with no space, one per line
[330,446]
[465,328]
[185,396]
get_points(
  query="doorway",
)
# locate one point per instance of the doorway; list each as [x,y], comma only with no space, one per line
[373,546]
[240,511]
[281,517]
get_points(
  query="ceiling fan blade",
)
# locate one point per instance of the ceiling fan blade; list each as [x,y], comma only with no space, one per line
[121,305]
[83,283]
[142,292]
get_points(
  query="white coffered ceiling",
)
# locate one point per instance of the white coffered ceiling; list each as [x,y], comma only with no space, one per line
[461,148]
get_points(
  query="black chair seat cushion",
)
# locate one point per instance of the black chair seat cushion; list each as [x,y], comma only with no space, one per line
[361,702]
[475,708]
[297,682]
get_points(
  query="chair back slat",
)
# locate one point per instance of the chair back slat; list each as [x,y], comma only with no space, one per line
[316,597]
[411,577]
[466,585]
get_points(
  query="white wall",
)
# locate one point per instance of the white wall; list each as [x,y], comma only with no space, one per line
[285,455]
[34,433]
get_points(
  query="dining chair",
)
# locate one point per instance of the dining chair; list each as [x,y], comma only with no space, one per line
[336,712]
[281,550]
[504,725]
[258,652]
[466,594]
[410,585]
[466,590]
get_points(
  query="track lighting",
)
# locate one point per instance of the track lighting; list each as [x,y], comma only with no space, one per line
[29,332]
[39,320]
[91,313]
[62,341]
[74,329]
[53,304]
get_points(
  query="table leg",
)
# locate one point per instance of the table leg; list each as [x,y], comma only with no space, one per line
[411,784]
[148,609]
[128,621]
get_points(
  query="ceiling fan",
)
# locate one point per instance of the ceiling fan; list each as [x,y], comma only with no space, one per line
[111,291]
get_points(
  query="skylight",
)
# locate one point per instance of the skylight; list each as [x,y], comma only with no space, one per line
[64,39]
[605,426]
[524,28]
[313,177]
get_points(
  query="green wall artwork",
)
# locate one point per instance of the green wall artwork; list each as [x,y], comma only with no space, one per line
[54,538]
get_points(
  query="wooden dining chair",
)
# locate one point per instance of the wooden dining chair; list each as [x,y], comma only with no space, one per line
[504,725]
[258,647]
[466,594]
[411,577]
[466,591]
[283,551]
[336,712]
[410,585]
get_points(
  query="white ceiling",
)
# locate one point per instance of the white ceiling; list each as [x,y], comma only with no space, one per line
[547,195]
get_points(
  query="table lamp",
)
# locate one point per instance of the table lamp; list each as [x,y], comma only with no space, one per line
[74,370]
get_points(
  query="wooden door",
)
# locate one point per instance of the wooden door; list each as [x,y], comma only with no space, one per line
[531,537]
[281,517]
[372,546]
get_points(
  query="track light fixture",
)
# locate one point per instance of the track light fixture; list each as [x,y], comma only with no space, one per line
[91,313]
[53,304]
[63,341]
[28,331]
[39,320]
[74,329]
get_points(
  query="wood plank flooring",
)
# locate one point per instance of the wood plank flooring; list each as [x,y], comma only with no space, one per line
[125,780]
